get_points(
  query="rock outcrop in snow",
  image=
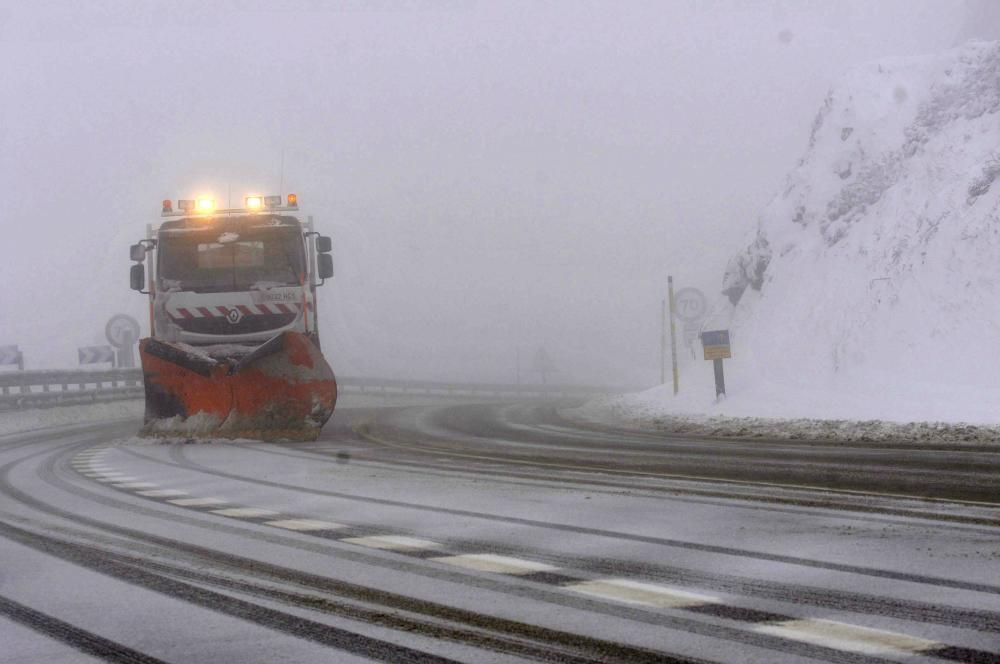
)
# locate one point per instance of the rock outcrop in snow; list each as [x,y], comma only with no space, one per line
[881,257]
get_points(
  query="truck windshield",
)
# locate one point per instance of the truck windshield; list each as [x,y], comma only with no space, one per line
[224,260]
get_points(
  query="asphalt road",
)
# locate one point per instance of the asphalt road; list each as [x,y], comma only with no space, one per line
[494,533]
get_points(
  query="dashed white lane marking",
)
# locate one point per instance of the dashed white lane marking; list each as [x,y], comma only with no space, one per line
[197,502]
[852,638]
[392,542]
[488,562]
[304,524]
[134,485]
[162,493]
[244,512]
[116,478]
[635,592]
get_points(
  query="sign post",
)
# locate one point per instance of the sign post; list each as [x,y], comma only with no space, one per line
[122,332]
[717,348]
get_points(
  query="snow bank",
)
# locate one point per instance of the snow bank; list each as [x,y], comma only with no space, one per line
[868,289]
[42,418]
[882,255]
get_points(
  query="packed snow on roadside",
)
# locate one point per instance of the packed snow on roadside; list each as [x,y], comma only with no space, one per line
[17,421]
[760,409]
[866,297]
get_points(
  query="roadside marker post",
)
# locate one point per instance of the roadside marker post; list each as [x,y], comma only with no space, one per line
[717,348]
[673,334]
[663,341]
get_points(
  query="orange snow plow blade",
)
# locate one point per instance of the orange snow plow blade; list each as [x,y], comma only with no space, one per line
[283,389]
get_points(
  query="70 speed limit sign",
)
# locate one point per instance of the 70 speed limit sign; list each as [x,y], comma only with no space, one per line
[690,304]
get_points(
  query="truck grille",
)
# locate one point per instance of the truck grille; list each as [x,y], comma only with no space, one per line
[248,325]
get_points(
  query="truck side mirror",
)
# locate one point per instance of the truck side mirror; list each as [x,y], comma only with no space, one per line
[137,276]
[324,266]
[323,244]
[137,252]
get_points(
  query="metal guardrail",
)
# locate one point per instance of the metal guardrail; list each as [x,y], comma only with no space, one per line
[43,389]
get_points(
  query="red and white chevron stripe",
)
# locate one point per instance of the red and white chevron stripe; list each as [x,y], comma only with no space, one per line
[270,309]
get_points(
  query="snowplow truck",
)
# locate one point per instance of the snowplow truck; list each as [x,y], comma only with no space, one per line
[234,348]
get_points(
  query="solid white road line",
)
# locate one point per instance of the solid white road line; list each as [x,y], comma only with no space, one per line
[304,524]
[392,542]
[843,636]
[636,592]
[244,512]
[197,502]
[488,562]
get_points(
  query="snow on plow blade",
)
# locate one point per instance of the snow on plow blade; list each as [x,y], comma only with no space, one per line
[283,389]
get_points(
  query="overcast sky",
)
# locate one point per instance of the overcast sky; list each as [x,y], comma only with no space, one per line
[496,176]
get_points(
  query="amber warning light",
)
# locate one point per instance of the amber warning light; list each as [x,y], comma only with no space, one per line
[204,205]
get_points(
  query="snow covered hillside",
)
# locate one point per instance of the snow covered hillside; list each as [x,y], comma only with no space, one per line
[870,287]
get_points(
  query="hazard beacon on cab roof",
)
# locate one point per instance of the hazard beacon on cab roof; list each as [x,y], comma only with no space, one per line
[234,347]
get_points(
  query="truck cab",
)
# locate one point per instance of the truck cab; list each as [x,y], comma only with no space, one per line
[233,349]
[237,276]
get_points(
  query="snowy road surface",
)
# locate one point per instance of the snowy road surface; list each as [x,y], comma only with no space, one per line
[494,533]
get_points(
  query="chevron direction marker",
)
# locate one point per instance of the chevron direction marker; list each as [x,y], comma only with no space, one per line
[95,354]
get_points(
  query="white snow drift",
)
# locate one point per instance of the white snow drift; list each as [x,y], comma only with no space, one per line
[870,286]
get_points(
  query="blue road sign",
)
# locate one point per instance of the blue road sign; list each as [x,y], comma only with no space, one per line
[715,337]
[716,344]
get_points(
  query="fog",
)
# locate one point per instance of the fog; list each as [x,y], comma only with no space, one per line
[497,177]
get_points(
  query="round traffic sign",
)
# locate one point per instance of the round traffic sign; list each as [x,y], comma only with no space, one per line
[690,304]
[121,329]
